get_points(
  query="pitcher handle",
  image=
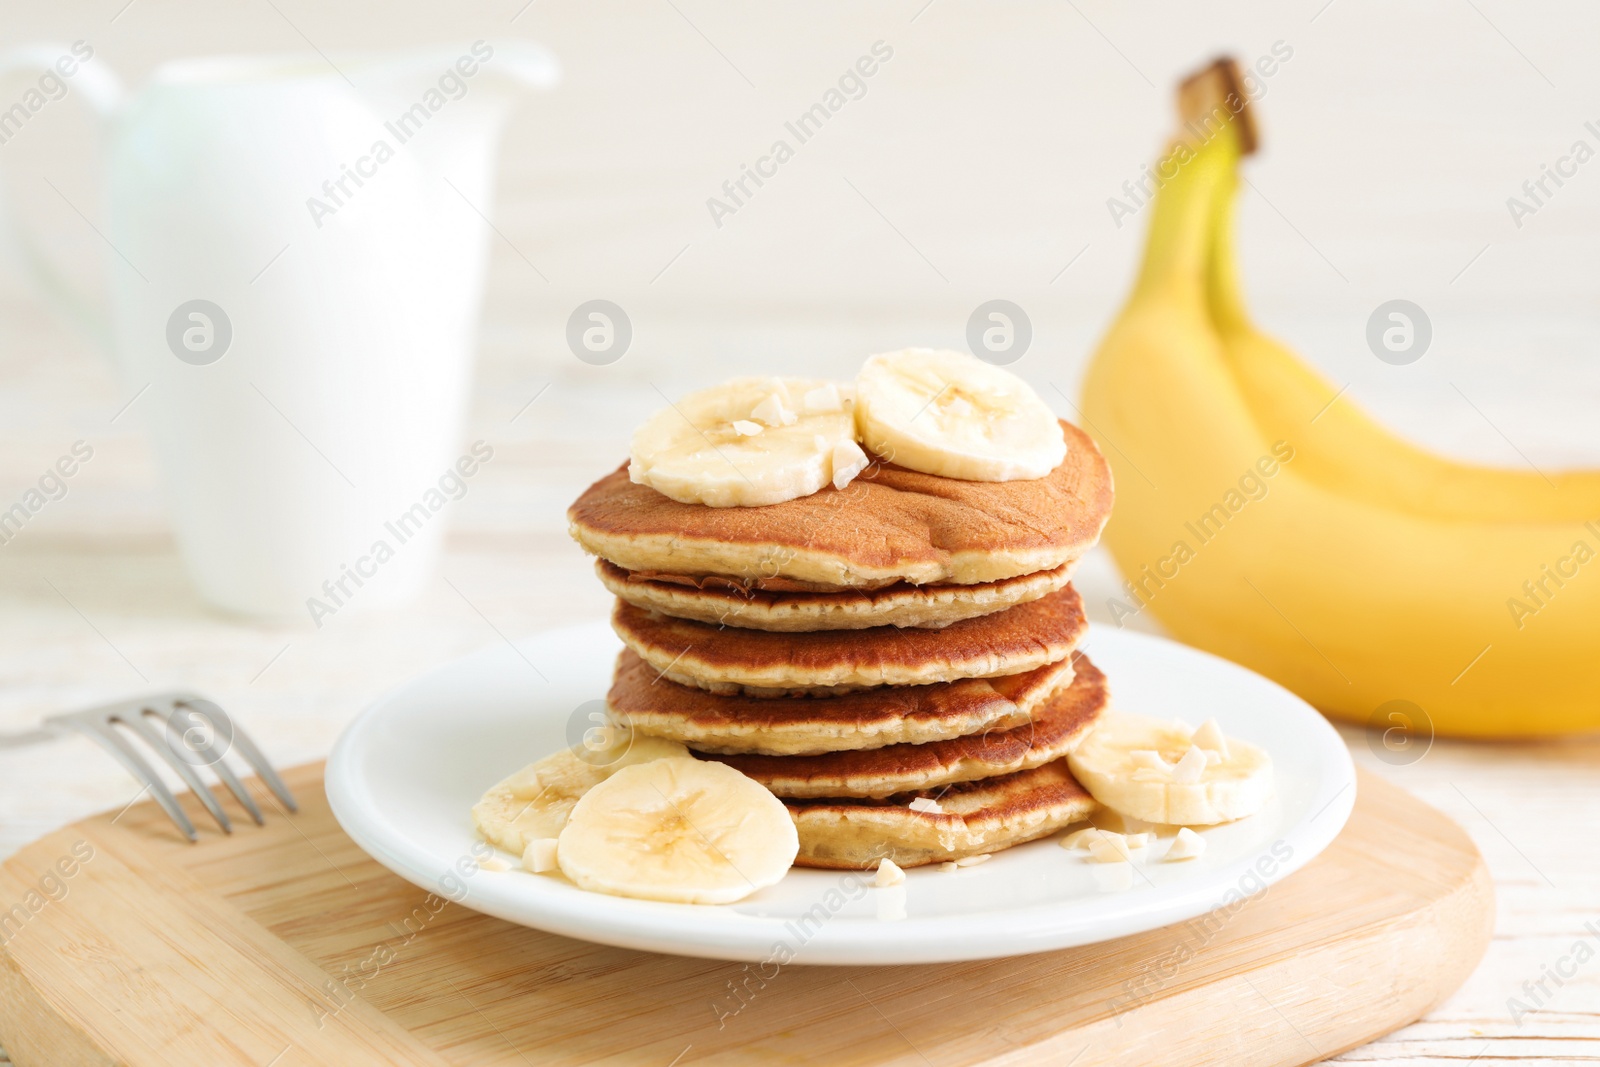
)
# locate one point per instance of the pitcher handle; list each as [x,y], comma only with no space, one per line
[73,69]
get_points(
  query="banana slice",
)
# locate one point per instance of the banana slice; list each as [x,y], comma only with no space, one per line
[952,414]
[534,803]
[747,442]
[684,830]
[1153,769]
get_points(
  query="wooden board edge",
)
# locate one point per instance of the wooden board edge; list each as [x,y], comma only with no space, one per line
[1452,930]
[1275,1001]
[33,1031]
[127,898]
[33,1026]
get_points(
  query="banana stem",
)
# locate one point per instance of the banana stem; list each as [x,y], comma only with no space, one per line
[1198,176]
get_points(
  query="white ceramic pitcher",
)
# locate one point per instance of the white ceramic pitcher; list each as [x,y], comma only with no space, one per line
[297,251]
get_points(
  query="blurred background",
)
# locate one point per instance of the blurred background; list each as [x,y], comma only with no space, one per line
[979,162]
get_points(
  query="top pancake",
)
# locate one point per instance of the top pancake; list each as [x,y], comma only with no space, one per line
[889,525]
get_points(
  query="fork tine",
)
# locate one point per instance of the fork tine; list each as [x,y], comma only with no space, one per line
[219,766]
[163,746]
[247,751]
[118,746]
[236,787]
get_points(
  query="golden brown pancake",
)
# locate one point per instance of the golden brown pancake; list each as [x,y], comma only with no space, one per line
[723,601]
[978,817]
[729,660]
[889,525]
[797,726]
[1056,728]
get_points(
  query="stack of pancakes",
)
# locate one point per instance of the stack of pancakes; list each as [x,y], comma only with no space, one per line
[896,660]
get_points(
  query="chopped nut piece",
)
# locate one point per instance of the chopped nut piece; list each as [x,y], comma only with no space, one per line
[1190,767]
[493,863]
[973,861]
[1148,759]
[1108,848]
[772,412]
[1210,737]
[927,804]
[540,855]
[1081,838]
[746,428]
[823,400]
[525,784]
[948,865]
[1119,842]
[1186,846]
[889,873]
[848,461]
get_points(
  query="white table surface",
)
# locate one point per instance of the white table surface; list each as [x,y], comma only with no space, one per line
[993,140]
[93,604]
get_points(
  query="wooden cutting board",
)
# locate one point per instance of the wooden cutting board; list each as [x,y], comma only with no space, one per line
[285,945]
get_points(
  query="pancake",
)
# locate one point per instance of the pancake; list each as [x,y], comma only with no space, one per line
[1057,727]
[982,816]
[889,525]
[798,726]
[723,601]
[729,660]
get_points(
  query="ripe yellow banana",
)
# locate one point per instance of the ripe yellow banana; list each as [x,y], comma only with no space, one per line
[1331,556]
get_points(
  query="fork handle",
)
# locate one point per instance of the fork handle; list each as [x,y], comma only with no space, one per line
[28,737]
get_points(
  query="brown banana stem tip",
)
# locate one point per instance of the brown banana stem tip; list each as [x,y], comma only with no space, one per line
[1211,98]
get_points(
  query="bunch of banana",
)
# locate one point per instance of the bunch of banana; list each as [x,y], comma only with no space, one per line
[1263,517]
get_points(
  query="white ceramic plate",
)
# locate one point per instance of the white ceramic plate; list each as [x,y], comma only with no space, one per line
[405,774]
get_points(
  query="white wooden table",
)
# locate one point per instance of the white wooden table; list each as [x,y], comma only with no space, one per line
[93,604]
[978,165]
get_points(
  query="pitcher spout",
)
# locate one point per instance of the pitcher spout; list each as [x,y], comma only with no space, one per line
[483,77]
[461,94]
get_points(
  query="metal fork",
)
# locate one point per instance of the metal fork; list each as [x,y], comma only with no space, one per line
[187,731]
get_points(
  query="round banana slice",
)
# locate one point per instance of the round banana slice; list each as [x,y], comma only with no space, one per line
[952,414]
[1166,772]
[681,830]
[747,442]
[534,802]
